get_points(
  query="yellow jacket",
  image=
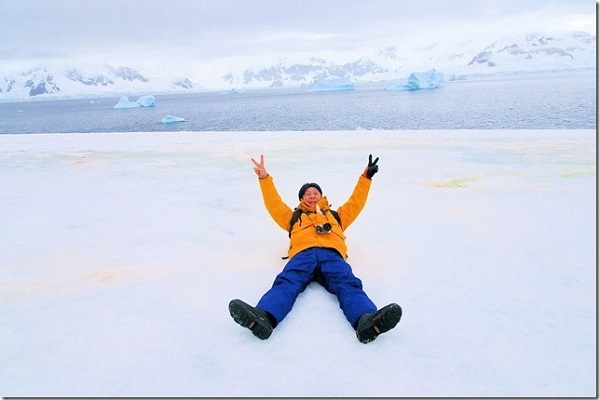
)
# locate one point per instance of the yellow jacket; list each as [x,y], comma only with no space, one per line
[304,233]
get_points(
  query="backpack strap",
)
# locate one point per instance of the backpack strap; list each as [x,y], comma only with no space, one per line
[295,217]
[336,216]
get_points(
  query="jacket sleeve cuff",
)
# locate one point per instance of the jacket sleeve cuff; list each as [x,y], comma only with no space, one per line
[362,180]
[263,181]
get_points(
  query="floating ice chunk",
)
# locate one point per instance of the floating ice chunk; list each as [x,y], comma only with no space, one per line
[420,80]
[169,119]
[146,101]
[332,84]
[454,77]
[125,103]
[143,101]
[233,91]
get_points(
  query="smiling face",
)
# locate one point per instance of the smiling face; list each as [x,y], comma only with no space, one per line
[311,196]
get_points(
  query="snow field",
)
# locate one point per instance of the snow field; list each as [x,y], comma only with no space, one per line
[120,253]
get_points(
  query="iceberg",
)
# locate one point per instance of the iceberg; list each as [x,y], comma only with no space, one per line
[125,103]
[146,101]
[143,101]
[332,84]
[169,119]
[233,91]
[420,80]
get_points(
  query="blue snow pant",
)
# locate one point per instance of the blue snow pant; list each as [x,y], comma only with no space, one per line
[327,267]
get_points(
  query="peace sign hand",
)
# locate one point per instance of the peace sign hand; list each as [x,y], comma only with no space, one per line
[372,167]
[259,168]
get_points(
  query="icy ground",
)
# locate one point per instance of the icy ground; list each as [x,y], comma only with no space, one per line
[120,253]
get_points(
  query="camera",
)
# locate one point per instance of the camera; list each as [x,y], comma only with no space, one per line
[324,228]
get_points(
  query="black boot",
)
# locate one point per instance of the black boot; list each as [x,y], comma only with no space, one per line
[252,318]
[371,325]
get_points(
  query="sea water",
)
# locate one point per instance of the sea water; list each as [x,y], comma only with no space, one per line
[552,101]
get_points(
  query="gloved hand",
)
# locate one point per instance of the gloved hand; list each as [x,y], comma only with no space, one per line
[372,168]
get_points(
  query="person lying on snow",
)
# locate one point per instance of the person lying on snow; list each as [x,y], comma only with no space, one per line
[317,252]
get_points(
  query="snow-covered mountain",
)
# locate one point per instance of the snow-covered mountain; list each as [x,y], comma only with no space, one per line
[511,54]
[536,50]
[298,73]
[518,53]
[66,80]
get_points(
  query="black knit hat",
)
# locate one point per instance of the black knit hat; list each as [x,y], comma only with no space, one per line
[306,186]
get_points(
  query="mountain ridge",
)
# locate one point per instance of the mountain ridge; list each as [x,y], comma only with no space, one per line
[510,54]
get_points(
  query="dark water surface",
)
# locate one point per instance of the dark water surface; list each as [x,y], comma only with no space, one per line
[549,102]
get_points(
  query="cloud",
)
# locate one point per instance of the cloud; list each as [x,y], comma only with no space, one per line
[198,29]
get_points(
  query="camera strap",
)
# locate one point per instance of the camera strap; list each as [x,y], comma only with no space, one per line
[298,212]
[296,216]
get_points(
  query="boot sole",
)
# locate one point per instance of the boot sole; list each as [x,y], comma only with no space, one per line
[383,321]
[246,316]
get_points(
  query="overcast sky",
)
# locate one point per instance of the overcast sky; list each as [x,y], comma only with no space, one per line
[37,29]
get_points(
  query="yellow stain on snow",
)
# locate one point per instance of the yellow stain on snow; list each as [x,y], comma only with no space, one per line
[578,173]
[64,283]
[456,183]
